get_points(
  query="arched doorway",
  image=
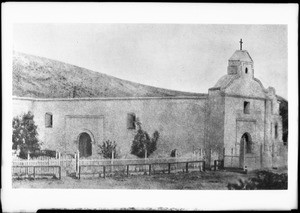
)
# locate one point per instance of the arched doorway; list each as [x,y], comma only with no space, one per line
[85,145]
[245,147]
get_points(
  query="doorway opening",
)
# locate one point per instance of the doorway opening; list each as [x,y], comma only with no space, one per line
[85,145]
[245,148]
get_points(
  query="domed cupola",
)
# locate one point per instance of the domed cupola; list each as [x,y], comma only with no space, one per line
[240,63]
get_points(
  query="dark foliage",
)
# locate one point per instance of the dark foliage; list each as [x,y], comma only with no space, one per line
[107,148]
[283,111]
[25,135]
[45,152]
[143,142]
[263,180]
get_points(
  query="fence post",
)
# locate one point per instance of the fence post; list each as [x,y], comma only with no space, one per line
[187,167]
[79,173]
[75,162]
[59,169]
[231,156]
[169,168]
[34,172]
[203,166]
[78,157]
[215,165]
[210,158]
[59,158]
[261,156]
[104,171]
[127,170]
[149,169]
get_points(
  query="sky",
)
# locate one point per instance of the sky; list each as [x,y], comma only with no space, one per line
[185,57]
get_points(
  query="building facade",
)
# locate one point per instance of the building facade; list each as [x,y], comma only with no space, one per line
[238,120]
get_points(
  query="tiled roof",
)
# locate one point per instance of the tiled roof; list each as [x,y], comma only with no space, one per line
[241,55]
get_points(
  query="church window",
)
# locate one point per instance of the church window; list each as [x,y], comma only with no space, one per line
[246,70]
[276,131]
[48,120]
[131,119]
[246,107]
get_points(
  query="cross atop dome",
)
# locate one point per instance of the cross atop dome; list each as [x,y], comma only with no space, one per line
[241,44]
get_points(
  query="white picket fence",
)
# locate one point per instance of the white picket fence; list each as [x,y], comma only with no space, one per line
[72,163]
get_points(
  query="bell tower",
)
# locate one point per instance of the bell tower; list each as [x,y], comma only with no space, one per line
[241,63]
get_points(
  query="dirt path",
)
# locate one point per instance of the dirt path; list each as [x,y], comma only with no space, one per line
[209,180]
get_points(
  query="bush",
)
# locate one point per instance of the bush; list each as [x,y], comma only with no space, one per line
[143,142]
[263,180]
[25,135]
[107,148]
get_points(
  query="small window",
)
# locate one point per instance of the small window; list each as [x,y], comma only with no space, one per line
[246,107]
[131,119]
[246,70]
[48,120]
[276,131]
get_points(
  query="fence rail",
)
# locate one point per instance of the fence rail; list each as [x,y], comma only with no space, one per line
[149,168]
[35,171]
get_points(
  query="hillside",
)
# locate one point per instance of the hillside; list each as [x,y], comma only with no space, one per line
[40,77]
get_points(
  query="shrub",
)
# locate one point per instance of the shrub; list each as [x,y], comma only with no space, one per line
[143,142]
[107,148]
[25,135]
[263,180]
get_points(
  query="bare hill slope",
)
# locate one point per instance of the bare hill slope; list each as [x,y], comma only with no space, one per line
[40,77]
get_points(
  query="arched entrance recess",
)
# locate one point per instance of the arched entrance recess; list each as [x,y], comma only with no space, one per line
[85,145]
[245,147]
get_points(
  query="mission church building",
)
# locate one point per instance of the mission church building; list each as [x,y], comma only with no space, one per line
[238,117]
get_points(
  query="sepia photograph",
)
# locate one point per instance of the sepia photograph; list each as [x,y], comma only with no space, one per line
[149,106]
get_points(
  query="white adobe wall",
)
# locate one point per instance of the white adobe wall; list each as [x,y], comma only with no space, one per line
[180,121]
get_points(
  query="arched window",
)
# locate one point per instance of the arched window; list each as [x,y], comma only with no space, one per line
[246,107]
[246,70]
[48,120]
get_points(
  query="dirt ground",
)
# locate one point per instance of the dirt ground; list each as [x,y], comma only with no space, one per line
[209,180]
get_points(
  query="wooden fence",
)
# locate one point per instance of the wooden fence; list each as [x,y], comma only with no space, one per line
[135,169]
[36,171]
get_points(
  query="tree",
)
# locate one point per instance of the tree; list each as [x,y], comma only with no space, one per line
[143,142]
[107,148]
[25,134]
[283,111]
